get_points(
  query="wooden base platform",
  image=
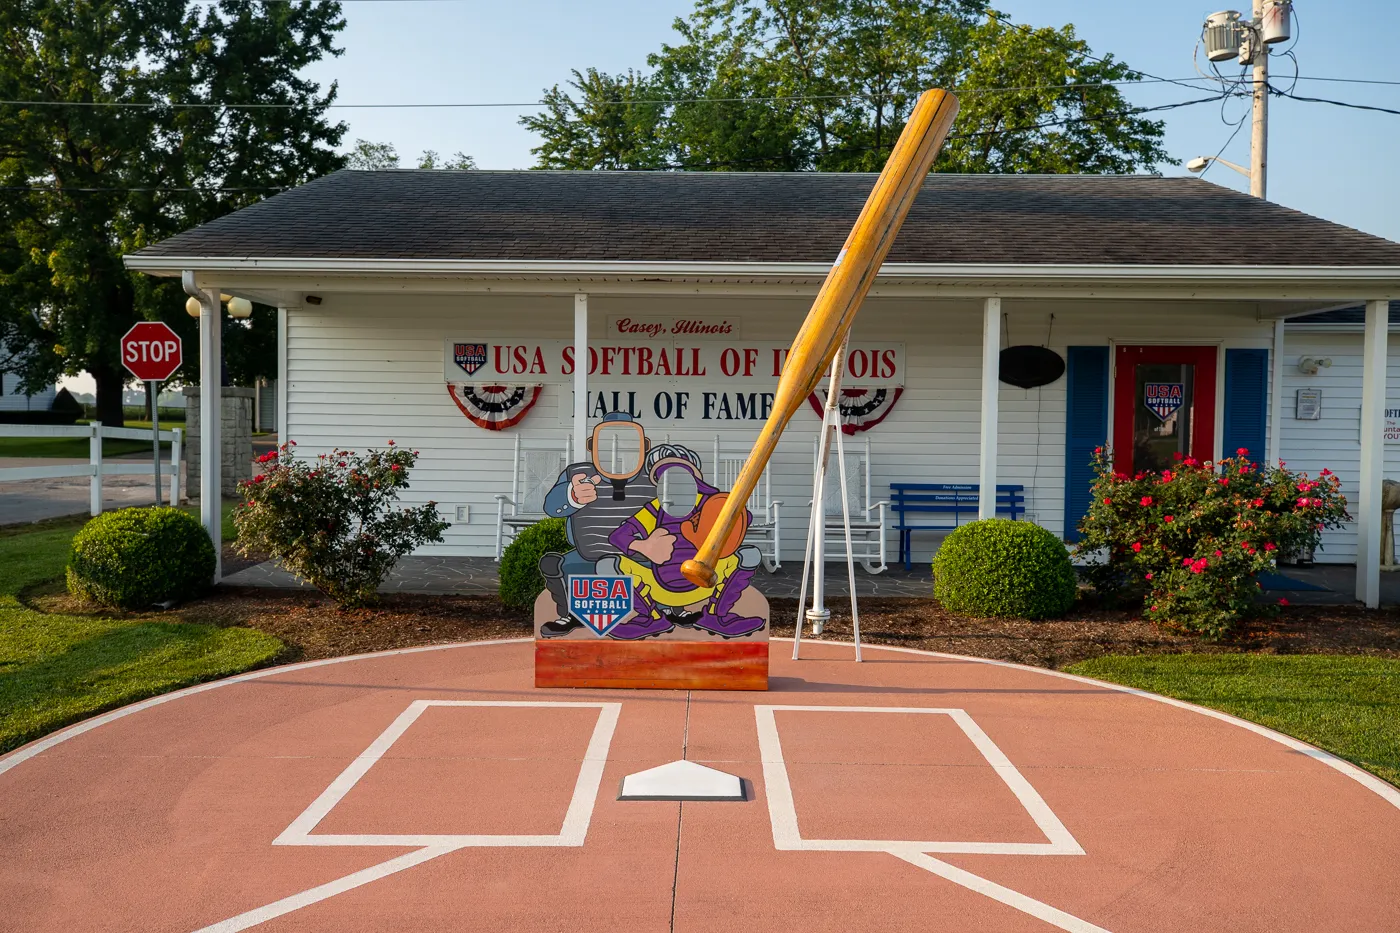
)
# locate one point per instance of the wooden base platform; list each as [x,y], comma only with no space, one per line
[656,665]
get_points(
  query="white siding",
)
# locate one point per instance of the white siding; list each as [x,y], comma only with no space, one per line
[1333,441]
[366,368]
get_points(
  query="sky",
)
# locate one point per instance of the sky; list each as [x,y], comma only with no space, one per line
[1324,160]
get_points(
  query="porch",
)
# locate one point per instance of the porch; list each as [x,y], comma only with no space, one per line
[1316,585]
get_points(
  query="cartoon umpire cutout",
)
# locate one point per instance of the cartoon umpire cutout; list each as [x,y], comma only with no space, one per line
[635,512]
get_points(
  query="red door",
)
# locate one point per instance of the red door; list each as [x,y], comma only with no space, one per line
[1163,405]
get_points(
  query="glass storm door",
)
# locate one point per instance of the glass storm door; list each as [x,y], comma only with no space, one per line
[1163,405]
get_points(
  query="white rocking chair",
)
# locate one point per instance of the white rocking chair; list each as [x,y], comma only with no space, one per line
[536,467]
[867,516]
[765,531]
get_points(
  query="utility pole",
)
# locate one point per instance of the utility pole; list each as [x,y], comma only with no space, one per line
[1227,36]
[1259,144]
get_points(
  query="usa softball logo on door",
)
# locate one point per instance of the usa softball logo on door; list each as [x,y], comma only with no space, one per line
[600,603]
[1164,399]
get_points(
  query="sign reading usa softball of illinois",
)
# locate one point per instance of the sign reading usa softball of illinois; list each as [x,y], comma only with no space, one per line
[616,610]
[644,360]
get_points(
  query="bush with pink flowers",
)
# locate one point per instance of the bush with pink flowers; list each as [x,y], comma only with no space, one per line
[334,521]
[1190,542]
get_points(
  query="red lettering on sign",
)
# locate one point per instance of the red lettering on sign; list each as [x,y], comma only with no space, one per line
[750,360]
[600,589]
[644,364]
[729,361]
[537,365]
[779,360]
[858,357]
[619,590]
[887,357]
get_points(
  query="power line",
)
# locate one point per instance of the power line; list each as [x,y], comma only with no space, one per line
[659,101]
[1336,103]
[979,134]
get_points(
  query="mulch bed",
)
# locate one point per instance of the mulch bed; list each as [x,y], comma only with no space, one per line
[314,627]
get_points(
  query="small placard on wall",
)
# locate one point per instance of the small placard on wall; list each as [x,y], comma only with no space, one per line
[1309,405]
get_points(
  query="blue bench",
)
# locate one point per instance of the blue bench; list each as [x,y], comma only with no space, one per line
[958,500]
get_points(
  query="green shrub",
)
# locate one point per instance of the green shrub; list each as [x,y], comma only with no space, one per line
[136,558]
[334,521]
[521,582]
[999,567]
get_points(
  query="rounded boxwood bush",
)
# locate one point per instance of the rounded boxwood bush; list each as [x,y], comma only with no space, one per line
[136,558]
[521,582]
[998,567]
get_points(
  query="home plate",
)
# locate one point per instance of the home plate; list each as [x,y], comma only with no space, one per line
[681,780]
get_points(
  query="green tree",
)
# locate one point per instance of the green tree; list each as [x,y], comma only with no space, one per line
[368,156]
[458,160]
[613,125]
[827,85]
[134,130]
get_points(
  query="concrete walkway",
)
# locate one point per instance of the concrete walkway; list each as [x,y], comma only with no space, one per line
[477,576]
[435,789]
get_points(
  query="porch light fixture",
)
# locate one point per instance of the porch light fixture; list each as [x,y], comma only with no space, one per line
[240,309]
[1309,365]
[192,307]
[1199,164]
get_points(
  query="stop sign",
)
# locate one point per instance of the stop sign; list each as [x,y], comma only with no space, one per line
[151,350]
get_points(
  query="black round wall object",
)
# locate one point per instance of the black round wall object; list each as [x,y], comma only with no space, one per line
[1029,367]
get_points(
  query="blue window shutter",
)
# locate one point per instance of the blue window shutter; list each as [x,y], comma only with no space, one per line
[1246,402]
[1086,427]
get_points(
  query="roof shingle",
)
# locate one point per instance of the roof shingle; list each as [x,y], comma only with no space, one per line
[772,217]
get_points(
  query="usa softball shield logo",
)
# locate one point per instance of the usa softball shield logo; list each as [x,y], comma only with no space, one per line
[1163,399]
[600,602]
[469,356]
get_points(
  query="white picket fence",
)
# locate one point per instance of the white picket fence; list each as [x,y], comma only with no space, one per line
[96,467]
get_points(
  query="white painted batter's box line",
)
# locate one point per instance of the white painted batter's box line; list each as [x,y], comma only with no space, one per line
[783,812]
[576,818]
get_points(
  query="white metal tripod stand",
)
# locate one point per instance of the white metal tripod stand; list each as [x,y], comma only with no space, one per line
[813,560]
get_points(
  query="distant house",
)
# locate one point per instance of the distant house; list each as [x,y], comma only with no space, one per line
[13,399]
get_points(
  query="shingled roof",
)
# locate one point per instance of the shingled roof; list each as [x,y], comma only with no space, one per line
[771,217]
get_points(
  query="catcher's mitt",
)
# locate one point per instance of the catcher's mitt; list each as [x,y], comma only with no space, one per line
[698,528]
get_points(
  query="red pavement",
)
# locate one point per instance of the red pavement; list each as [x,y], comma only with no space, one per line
[163,816]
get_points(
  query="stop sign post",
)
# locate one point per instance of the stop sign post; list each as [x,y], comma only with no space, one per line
[152,352]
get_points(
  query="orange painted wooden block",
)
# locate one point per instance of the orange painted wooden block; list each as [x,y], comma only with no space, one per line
[657,665]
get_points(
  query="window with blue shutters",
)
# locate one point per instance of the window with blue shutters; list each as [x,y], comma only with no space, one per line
[1086,427]
[1246,402]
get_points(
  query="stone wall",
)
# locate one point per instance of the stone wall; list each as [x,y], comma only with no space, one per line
[237,462]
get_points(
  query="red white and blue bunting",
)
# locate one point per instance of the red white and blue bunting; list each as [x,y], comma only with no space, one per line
[494,408]
[861,409]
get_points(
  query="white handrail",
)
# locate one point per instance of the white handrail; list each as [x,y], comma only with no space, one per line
[79,430]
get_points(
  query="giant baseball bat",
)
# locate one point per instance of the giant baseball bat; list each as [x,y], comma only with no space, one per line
[836,304]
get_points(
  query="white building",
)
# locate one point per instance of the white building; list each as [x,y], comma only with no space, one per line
[12,398]
[399,288]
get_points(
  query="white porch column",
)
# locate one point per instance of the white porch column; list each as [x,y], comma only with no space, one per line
[282,435]
[1368,512]
[211,452]
[991,388]
[1275,444]
[580,377]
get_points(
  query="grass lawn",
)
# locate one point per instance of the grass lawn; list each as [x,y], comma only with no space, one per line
[1349,705]
[57,669]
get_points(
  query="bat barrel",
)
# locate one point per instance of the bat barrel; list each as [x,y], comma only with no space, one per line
[836,303]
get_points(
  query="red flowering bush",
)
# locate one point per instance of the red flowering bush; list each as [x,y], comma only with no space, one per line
[1191,542]
[333,521]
